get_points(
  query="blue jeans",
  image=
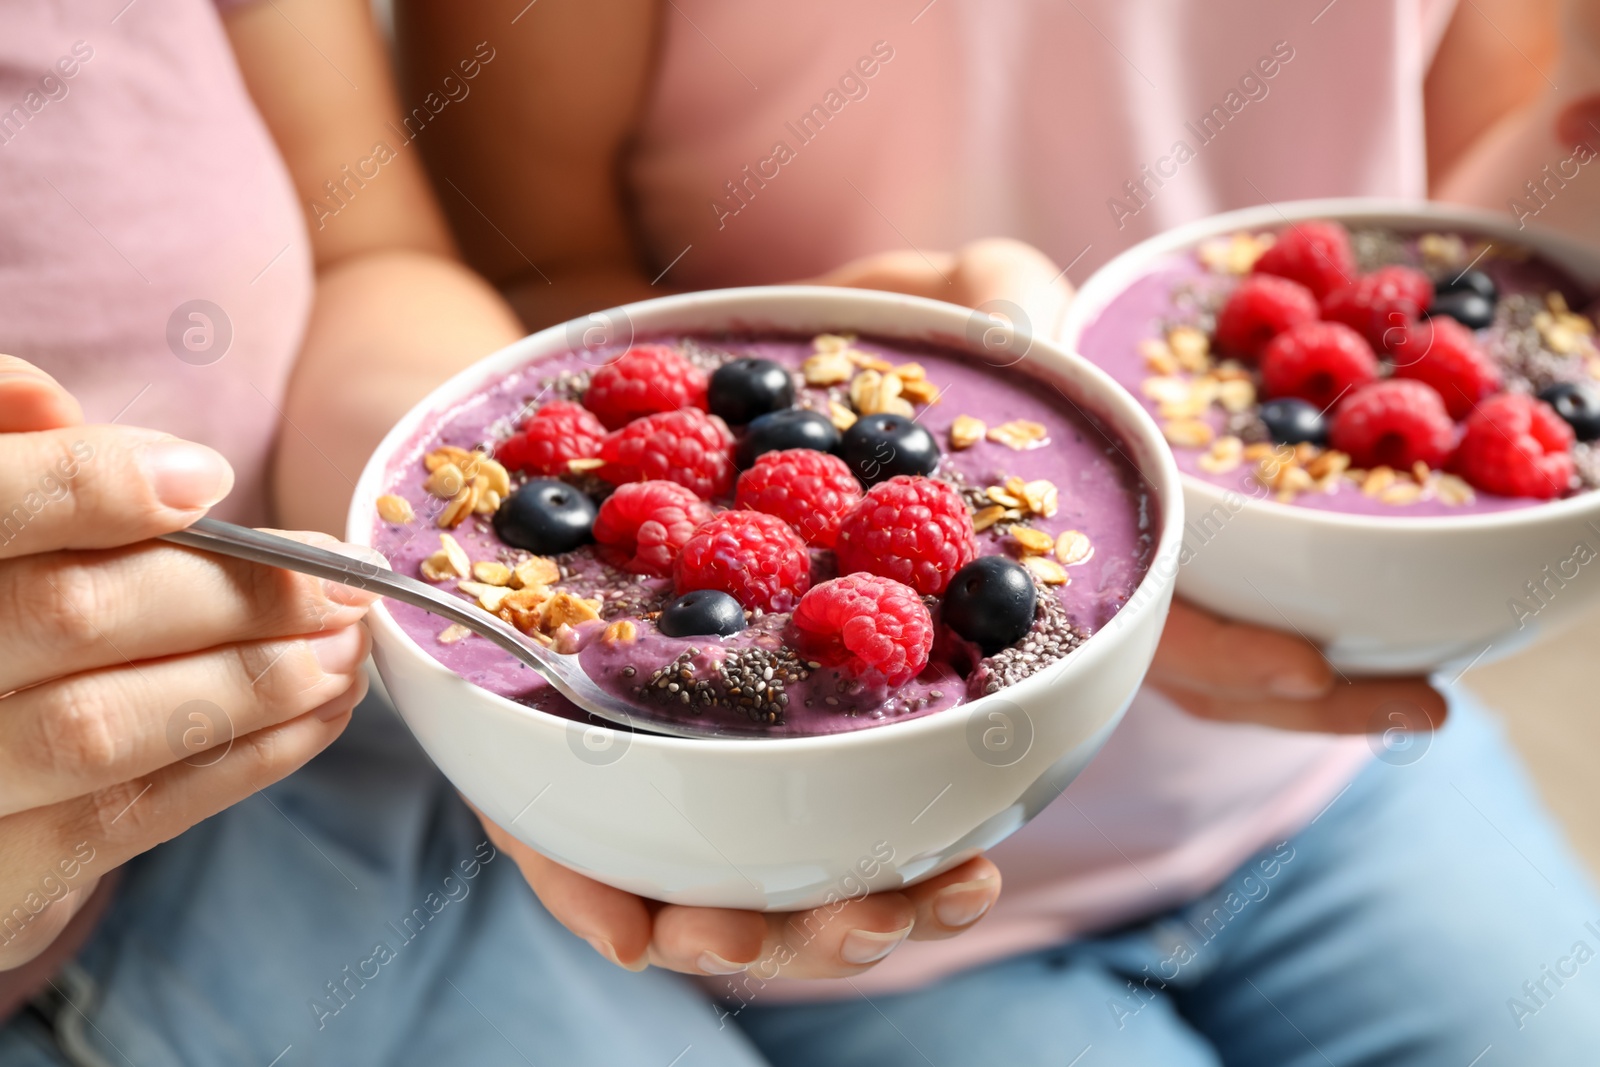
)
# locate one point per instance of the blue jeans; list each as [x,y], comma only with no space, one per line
[1431,916]
[253,939]
[353,915]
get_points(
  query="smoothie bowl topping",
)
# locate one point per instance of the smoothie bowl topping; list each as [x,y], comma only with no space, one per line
[812,534]
[1364,370]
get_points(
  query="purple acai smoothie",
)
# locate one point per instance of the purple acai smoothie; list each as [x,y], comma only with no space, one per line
[1159,339]
[1044,483]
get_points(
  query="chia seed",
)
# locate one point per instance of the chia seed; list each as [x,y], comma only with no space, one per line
[568,385]
[1517,346]
[1376,248]
[1052,637]
[707,357]
[749,681]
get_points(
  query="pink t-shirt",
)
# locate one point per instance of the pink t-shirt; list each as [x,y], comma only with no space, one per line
[135,187]
[781,140]
[137,180]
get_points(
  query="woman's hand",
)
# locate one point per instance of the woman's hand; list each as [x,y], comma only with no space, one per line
[145,687]
[826,942]
[981,275]
[1227,671]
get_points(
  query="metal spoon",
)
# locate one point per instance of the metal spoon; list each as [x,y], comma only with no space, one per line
[562,672]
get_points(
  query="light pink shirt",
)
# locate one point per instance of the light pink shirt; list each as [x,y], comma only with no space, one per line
[782,140]
[141,182]
[136,177]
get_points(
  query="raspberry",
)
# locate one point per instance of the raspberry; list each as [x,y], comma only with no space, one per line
[809,490]
[1393,423]
[754,558]
[688,447]
[1262,307]
[643,525]
[644,380]
[1315,254]
[914,530]
[1318,362]
[557,433]
[1515,445]
[1379,305]
[1446,355]
[863,623]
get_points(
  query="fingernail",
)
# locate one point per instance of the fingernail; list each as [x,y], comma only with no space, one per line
[964,903]
[869,946]
[602,946]
[711,963]
[1297,687]
[340,652]
[185,476]
[336,708]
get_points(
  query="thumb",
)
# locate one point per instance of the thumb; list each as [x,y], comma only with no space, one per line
[31,400]
[999,268]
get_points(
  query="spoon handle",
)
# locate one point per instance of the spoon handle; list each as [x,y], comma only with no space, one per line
[563,673]
[241,542]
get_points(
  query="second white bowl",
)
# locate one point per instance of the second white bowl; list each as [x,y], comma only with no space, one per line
[1383,595]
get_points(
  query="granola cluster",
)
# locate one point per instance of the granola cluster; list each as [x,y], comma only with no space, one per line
[860,383]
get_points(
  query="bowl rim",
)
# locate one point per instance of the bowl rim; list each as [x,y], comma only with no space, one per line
[1113,277]
[937,322]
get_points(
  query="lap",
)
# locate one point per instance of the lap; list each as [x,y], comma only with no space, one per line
[1406,926]
[354,913]
[1399,928]
[1042,1009]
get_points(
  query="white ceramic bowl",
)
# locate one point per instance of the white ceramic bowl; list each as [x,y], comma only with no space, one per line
[1383,595]
[783,824]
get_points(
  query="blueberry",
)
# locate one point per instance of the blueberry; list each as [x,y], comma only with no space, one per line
[745,389]
[703,612]
[1472,310]
[546,517]
[1578,403]
[1292,421]
[878,447]
[990,602]
[791,428]
[1472,281]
